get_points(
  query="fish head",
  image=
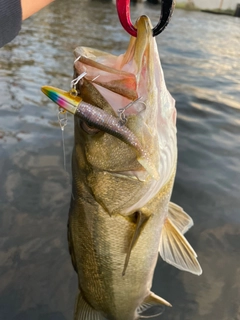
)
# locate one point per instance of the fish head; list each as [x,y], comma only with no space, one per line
[112,167]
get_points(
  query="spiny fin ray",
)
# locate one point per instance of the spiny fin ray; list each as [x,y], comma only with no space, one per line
[146,309]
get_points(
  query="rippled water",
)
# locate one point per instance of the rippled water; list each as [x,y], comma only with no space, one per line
[200,54]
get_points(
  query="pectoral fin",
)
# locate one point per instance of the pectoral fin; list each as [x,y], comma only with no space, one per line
[141,219]
[179,217]
[84,311]
[152,306]
[175,249]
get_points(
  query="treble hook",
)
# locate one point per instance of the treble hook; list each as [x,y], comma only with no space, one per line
[123,9]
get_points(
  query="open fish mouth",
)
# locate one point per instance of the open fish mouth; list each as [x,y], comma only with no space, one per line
[120,80]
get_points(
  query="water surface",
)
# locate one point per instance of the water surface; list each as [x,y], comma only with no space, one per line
[201,62]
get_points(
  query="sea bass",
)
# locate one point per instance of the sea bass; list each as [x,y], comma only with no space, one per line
[123,165]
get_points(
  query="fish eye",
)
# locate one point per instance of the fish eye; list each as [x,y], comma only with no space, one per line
[88,128]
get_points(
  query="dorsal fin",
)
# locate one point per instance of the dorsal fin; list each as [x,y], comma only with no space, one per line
[175,249]
[179,217]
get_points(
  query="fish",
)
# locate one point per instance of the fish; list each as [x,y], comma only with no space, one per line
[121,217]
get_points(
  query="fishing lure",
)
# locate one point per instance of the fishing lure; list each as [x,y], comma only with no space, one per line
[100,119]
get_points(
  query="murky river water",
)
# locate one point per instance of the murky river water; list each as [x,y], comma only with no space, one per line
[200,55]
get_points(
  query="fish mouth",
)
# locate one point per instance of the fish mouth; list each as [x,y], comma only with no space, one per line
[123,80]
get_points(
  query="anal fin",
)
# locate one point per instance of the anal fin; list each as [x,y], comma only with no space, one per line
[152,306]
[176,250]
[179,217]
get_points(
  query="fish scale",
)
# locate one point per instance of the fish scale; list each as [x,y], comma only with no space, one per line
[109,281]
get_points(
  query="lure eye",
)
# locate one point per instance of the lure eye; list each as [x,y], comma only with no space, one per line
[88,128]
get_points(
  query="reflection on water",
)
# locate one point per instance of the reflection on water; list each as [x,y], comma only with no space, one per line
[200,57]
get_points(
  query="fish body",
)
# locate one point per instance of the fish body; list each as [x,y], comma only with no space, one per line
[120,215]
[99,244]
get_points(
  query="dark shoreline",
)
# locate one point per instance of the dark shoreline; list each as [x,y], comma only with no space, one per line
[213,11]
[221,12]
